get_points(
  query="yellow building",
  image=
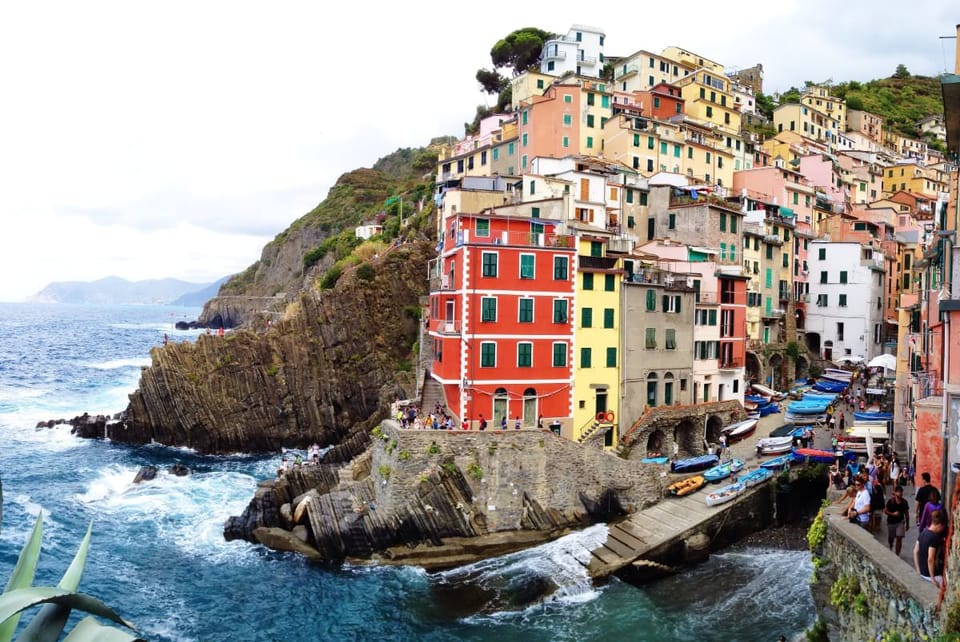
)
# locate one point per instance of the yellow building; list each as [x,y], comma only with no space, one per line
[807,121]
[708,97]
[643,70]
[527,85]
[752,260]
[910,177]
[818,98]
[597,341]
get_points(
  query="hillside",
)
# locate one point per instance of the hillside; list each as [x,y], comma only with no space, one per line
[901,100]
[300,257]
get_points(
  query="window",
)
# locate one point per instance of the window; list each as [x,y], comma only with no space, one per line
[768,278]
[539,83]
[609,283]
[822,300]
[567,98]
[483,227]
[651,339]
[589,120]
[560,268]
[587,280]
[663,147]
[523,140]
[496,153]
[822,254]
[786,260]
[823,277]
[839,332]
[608,317]
[611,357]
[843,276]
[769,252]
[524,355]
[672,222]
[723,222]
[586,317]
[670,342]
[527,266]
[671,303]
[676,150]
[560,308]
[566,141]
[488,354]
[649,142]
[524,115]
[488,309]
[489,264]
[733,223]
[567,120]
[559,355]
[589,142]
[526,311]
[591,99]
[651,300]
[533,187]
[636,140]
[586,357]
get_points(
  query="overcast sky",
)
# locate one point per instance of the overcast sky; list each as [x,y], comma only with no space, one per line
[174,139]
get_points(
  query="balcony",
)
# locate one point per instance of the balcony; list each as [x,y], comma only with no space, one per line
[626,71]
[772,314]
[708,298]
[587,60]
[440,283]
[447,326]
[669,280]
[598,262]
[772,239]
[557,55]
[731,364]
[522,239]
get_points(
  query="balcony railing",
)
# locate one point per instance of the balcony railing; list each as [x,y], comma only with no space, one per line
[629,71]
[524,239]
[440,283]
[598,262]
[731,364]
[447,326]
[669,280]
[710,298]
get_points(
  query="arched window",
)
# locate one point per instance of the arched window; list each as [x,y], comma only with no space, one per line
[652,389]
[530,414]
[668,389]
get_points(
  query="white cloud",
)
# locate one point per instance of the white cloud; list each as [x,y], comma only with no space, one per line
[174,139]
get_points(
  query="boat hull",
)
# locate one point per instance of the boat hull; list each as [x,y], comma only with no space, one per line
[686,486]
[739,430]
[778,463]
[755,477]
[725,494]
[694,464]
[724,470]
[814,455]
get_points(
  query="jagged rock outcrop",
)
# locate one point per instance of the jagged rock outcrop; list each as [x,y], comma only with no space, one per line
[146,473]
[443,498]
[328,368]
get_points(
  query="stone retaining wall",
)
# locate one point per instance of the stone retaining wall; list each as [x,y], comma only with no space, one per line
[889,596]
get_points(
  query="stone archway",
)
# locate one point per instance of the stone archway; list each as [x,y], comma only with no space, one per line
[689,437]
[812,340]
[714,425]
[754,367]
[803,367]
[776,377]
[655,442]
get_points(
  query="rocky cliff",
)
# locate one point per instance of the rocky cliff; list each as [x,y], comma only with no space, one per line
[330,366]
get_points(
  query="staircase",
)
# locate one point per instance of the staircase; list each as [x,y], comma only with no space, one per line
[592,430]
[431,393]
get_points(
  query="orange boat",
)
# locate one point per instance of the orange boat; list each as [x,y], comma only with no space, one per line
[686,486]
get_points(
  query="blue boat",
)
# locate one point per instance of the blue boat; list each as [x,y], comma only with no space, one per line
[827,385]
[755,399]
[757,476]
[654,460]
[819,396]
[768,409]
[722,471]
[808,407]
[872,416]
[694,464]
[778,463]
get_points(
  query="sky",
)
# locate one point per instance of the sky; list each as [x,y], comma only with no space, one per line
[175,139]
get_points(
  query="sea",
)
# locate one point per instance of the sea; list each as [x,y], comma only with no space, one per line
[159,558]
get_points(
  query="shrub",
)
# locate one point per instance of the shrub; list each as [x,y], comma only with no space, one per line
[433,448]
[404,455]
[844,591]
[391,446]
[384,471]
[475,471]
[331,277]
[817,533]
[378,432]
[366,272]
[272,371]
[450,467]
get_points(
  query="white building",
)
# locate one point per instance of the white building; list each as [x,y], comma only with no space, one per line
[579,52]
[845,305]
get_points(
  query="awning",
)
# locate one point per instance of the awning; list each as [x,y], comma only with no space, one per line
[786,211]
[876,391]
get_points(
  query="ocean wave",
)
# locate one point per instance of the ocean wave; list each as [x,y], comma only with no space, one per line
[113,364]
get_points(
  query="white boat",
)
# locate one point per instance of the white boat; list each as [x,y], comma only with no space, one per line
[739,430]
[775,445]
[725,494]
[757,476]
[838,375]
[768,392]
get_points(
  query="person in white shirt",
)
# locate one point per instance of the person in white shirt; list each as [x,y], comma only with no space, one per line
[859,507]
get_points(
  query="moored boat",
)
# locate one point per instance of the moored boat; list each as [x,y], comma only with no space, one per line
[725,494]
[873,416]
[837,374]
[739,430]
[686,486]
[722,471]
[757,476]
[775,445]
[768,409]
[778,463]
[814,455]
[694,464]
[769,392]
[654,460]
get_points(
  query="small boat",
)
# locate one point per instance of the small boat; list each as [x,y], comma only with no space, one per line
[827,385]
[655,460]
[725,494]
[768,392]
[775,445]
[694,464]
[686,486]
[768,409]
[739,430]
[722,471]
[783,431]
[757,476]
[819,396]
[814,455]
[836,374]
[805,420]
[811,407]
[871,416]
[756,399]
[778,463]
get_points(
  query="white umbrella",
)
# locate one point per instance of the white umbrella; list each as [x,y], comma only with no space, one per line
[847,359]
[887,361]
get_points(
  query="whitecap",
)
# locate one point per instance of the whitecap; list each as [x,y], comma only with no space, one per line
[114,364]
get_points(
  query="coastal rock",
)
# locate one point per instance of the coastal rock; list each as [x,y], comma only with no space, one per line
[319,374]
[89,426]
[281,540]
[179,470]
[146,473]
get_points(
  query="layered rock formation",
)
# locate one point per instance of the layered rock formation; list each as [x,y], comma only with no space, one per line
[327,368]
[440,499]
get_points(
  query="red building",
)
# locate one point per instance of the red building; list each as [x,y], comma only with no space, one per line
[501,318]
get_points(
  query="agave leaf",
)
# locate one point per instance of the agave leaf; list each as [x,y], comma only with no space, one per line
[48,624]
[89,630]
[13,602]
[22,577]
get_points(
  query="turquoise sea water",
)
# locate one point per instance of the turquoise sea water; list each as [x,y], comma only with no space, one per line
[158,555]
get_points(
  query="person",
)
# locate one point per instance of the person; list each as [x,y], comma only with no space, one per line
[902,478]
[466,424]
[933,504]
[894,471]
[923,494]
[722,447]
[540,422]
[676,450]
[516,423]
[483,423]
[926,557]
[877,503]
[841,421]
[166,339]
[858,510]
[898,515]
[503,422]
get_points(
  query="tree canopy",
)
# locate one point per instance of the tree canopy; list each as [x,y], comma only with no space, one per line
[520,50]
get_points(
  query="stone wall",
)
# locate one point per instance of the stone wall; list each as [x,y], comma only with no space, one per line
[884,594]
[503,467]
[684,424]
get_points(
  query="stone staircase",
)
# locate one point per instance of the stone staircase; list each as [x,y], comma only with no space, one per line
[431,393]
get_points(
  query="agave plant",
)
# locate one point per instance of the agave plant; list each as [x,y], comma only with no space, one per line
[57,601]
